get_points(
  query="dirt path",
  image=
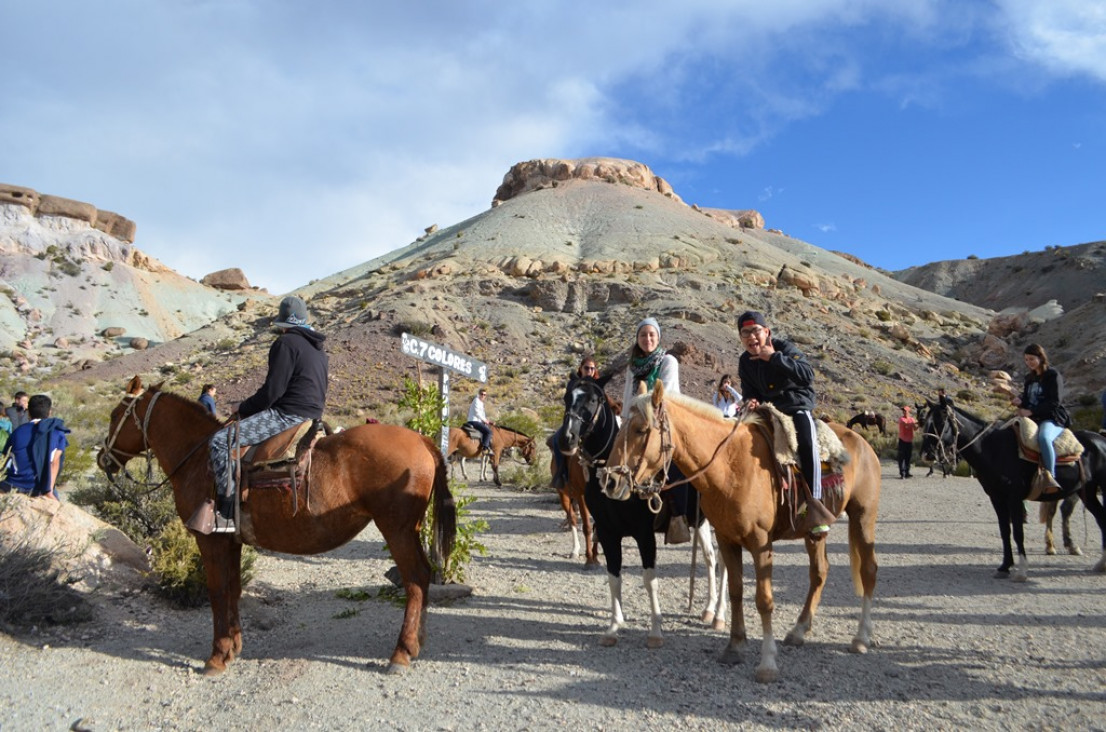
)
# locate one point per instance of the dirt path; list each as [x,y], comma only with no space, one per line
[958,648]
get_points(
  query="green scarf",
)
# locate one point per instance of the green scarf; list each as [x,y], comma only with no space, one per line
[645,368]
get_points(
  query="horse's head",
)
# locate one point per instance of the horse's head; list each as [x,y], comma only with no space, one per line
[125,438]
[939,428]
[529,450]
[585,401]
[638,454]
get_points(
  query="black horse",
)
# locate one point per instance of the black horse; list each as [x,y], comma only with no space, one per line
[588,432]
[950,433]
[868,419]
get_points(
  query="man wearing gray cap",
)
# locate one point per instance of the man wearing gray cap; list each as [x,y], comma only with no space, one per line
[294,391]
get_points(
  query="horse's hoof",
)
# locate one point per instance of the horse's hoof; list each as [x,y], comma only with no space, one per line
[708,617]
[397,669]
[794,638]
[767,675]
[211,669]
[858,646]
[1051,551]
[1020,577]
[654,642]
[1075,551]
[608,641]
[730,657]
[718,624]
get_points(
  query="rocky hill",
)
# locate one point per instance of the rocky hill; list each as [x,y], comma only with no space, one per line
[569,258]
[75,289]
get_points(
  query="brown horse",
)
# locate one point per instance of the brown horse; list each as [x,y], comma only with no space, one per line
[868,419]
[731,464]
[372,472]
[503,438]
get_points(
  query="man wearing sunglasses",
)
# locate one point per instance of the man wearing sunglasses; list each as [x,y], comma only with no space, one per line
[775,371]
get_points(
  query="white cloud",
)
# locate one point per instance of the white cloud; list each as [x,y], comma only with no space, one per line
[826,228]
[1064,36]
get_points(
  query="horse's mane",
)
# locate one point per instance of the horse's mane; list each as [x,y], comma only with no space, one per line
[644,404]
[514,431]
[188,403]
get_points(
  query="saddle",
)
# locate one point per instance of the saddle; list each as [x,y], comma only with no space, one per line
[1067,445]
[282,462]
[796,499]
[472,432]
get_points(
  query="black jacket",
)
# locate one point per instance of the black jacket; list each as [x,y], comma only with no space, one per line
[786,380]
[1050,396]
[297,379]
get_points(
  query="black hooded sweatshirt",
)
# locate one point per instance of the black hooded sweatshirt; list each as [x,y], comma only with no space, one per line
[297,379]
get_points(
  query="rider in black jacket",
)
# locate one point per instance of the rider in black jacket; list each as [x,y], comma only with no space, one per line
[774,370]
[294,391]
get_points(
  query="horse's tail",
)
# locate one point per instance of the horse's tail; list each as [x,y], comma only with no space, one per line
[445,512]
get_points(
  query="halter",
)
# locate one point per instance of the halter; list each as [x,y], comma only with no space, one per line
[587,461]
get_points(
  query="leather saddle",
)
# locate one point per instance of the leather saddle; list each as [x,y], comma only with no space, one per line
[472,432]
[281,462]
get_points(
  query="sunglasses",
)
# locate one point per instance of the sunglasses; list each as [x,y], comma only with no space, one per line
[591,368]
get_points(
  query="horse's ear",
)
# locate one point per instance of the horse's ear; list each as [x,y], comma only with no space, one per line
[641,388]
[135,387]
[658,393]
[602,380]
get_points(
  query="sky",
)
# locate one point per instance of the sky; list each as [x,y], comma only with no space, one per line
[297,139]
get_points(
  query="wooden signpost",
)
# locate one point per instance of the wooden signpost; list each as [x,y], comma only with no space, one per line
[447,360]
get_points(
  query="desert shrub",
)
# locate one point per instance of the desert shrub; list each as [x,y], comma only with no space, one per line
[882,367]
[176,562]
[33,589]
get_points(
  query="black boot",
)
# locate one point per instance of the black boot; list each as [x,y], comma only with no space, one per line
[224,519]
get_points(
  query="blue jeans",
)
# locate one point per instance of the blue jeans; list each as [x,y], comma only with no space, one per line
[486,432]
[1047,432]
[252,430]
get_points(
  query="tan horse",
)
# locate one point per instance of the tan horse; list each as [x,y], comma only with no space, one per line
[503,438]
[731,465]
[372,472]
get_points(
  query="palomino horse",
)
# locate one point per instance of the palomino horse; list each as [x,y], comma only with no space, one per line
[588,433]
[463,446]
[868,419]
[372,472]
[732,466]
[952,433]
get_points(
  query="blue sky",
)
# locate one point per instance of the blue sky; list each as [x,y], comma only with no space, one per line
[297,139]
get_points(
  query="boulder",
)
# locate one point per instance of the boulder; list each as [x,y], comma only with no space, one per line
[113,332]
[139,343]
[227,279]
[67,207]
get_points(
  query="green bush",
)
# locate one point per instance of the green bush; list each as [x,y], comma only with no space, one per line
[176,561]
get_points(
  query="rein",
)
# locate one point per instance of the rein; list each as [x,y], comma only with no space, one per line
[951,453]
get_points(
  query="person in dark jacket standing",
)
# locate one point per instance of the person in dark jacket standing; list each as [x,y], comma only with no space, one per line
[775,371]
[17,412]
[294,391]
[1042,401]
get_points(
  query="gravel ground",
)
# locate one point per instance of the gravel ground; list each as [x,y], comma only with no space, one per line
[958,649]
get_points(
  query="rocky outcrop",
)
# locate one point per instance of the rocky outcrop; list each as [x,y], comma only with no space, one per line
[741,219]
[534,175]
[108,222]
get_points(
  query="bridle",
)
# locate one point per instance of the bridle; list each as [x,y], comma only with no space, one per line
[109,450]
[651,490]
[949,450]
[587,459]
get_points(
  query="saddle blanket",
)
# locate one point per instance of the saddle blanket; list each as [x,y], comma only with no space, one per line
[1067,445]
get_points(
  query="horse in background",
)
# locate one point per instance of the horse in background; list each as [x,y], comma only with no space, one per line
[464,445]
[373,472]
[868,419]
[587,434]
[951,433]
[731,464]
[1047,515]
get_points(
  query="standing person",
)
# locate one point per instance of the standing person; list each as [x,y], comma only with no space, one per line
[37,451]
[17,412]
[773,370]
[207,398]
[907,425]
[587,370]
[294,391]
[727,398]
[1041,400]
[649,363]
[478,418]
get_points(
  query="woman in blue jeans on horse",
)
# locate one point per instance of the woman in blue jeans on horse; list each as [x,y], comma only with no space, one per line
[1042,401]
